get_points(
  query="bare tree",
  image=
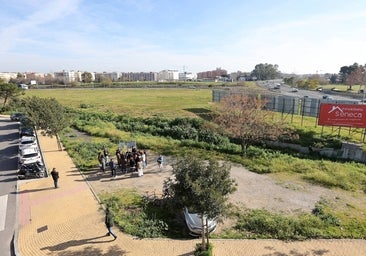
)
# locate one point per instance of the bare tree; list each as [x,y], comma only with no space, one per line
[243,117]
[357,77]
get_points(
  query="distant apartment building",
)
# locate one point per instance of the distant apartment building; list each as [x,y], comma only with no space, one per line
[34,78]
[114,76]
[187,76]
[33,75]
[168,75]
[241,76]
[49,78]
[6,76]
[138,76]
[212,75]
[67,77]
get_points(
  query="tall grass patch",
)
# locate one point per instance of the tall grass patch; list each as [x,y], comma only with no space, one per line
[139,217]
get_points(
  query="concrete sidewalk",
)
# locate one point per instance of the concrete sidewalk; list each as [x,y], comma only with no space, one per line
[69,221]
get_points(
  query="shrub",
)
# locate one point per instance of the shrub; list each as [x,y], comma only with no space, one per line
[136,217]
[262,223]
[198,250]
[325,217]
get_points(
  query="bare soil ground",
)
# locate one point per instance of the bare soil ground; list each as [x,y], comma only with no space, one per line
[254,191]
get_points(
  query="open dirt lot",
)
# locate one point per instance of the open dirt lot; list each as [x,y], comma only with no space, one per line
[253,191]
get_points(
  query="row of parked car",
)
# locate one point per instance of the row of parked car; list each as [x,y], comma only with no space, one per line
[30,159]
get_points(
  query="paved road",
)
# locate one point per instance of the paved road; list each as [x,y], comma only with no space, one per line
[9,135]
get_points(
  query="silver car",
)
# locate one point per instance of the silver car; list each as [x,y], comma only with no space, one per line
[194,223]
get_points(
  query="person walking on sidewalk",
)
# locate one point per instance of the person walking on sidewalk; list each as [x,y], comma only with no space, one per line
[112,166]
[55,176]
[109,222]
[160,161]
[140,169]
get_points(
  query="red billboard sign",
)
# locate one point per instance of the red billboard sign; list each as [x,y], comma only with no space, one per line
[349,115]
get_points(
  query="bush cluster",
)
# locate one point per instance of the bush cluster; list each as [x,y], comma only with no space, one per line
[192,133]
[139,218]
[264,224]
[191,129]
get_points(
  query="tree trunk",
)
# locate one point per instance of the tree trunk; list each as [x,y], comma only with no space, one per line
[207,234]
[203,246]
[243,148]
[5,100]
[58,142]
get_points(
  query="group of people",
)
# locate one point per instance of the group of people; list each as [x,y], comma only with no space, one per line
[130,161]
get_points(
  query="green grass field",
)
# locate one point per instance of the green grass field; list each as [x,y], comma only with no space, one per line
[134,102]
[170,103]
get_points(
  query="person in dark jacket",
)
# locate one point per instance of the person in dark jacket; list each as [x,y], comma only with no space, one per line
[112,166]
[109,223]
[55,176]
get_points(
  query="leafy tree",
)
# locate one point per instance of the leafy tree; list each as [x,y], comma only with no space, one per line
[333,78]
[46,114]
[290,81]
[266,71]
[346,70]
[86,77]
[202,186]
[106,81]
[244,118]
[9,91]
[307,84]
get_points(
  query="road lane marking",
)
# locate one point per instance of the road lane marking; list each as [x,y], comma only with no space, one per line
[3,206]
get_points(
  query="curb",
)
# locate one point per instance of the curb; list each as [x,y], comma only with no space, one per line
[91,188]
[14,242]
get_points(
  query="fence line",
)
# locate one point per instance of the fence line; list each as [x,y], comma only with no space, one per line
[291,105]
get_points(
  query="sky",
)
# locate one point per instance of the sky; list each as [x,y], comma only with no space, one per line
[301,37]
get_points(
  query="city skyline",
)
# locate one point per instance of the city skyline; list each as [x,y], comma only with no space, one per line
[194,36]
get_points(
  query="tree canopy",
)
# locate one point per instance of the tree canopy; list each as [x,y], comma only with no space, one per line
[356,77]
[86,77]
[46,114]
[245,118]
[9,91]
[345,71]
[266,71]
[202,186]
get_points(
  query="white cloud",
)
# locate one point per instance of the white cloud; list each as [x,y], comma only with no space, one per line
[44,12]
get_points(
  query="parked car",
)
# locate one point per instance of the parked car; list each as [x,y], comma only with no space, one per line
[293,89]
[34,170]
[335,89]
[319,89]
[327,97]
[26,131]
[194,224]
[24,120]
[27,141]
[16,116]
[277,86]
[30,155]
